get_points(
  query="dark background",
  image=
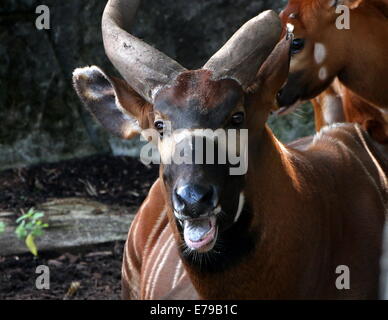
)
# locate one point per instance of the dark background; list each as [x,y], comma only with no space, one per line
[42,120]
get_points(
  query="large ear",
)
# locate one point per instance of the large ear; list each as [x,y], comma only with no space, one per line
[113,103]
[274,71]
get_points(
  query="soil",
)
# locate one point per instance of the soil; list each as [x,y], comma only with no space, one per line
[95,272]
[88,275]
[111,180]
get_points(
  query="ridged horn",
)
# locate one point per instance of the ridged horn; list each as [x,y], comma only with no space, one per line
[145,68]
[241,57]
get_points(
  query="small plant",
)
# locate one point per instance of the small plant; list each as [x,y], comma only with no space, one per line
[30,226]
[2,226]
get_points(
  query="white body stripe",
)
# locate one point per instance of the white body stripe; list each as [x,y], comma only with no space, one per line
[151,236]
[169,245]
[150,281]
[178,271]
[154,229]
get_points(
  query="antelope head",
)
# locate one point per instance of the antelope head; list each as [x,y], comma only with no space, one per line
[319,50]
[205,201]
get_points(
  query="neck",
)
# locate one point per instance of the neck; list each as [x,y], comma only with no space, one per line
[269,267]
[366,60]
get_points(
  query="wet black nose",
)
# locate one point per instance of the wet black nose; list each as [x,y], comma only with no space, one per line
[194,200]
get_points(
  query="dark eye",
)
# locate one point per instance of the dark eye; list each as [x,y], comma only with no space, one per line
[159,125]
[297,45]
[238,118]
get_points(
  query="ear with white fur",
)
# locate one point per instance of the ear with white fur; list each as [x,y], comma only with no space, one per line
[113,103]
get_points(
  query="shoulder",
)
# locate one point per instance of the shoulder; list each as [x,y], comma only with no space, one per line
[352,144]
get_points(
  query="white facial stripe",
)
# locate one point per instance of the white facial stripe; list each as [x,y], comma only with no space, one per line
[181,135]
[322,73]
[319,52]
[241,202]
[201,133]
[169,144]
[290,27]
[166,149]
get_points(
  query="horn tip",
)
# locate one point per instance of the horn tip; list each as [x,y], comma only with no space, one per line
[270,16]
[268,12]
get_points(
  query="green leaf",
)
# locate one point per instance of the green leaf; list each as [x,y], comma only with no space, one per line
[21,231]
[21,218]
[30,226]
[38,215]
[30,243]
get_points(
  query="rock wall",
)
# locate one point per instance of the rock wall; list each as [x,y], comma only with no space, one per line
[41,118]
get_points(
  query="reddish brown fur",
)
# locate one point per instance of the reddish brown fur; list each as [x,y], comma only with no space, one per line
[309,207]
[129,97]
[357,56]
[198,84]
[299,231]
[369,117]
[350,108]
[312,211]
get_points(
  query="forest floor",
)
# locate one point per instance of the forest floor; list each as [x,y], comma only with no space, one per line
[90,273]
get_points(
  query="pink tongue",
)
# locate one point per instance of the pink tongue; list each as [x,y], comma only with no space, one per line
[196,230]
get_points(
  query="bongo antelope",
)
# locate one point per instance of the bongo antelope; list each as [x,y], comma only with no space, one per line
[278,231]
[321,51]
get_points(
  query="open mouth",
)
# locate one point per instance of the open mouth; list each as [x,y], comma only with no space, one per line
[200,234]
